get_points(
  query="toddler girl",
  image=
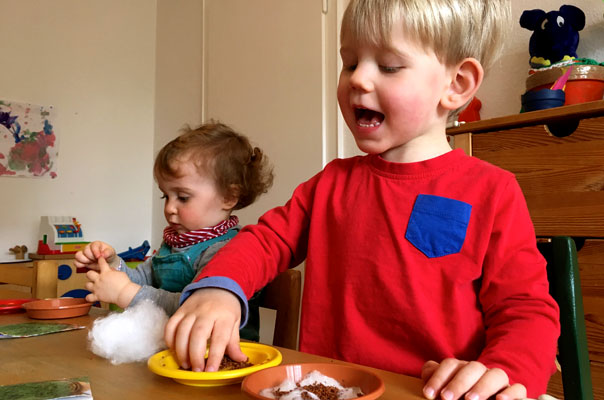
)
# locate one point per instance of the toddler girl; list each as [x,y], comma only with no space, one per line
[204,174]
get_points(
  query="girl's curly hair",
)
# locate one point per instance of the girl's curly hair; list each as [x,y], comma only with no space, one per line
[240,171]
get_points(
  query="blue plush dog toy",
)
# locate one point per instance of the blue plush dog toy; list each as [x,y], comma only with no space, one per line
[555,34]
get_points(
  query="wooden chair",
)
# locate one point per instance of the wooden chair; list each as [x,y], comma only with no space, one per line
[283,295]
[42,278]
[28,280]
[565,288]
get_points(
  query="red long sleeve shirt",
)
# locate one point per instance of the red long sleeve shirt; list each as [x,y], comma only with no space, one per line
[407,263]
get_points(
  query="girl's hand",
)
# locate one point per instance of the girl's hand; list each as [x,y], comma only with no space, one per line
[92,252]
[209,316]
[454,379]
[110,286]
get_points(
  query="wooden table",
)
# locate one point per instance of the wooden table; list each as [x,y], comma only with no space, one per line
[66,355]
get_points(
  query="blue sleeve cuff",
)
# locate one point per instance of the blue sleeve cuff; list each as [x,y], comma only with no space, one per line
[222,283]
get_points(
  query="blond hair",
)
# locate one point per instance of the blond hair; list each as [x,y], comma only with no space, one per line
[239,170]
[453,29]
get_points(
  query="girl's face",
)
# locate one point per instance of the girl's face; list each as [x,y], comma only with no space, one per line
[192,201]
[390,98]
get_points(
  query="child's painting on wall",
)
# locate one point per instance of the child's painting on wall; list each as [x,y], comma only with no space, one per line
[28,143]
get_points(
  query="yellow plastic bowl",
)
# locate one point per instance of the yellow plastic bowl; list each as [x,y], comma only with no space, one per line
[262,356]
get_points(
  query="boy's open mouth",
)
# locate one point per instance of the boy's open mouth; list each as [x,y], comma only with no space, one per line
[368,118]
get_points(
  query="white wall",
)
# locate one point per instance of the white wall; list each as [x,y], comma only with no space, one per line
[501,90]
[178,90]
[124,76]
[263,76]
[94,61]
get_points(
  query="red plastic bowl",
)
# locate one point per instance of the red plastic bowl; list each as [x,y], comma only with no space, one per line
[8,306]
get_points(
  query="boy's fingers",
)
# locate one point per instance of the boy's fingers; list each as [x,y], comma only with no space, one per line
[492,382]
[516,391]
[466,379]
[445,371]
[428,369]
[441,377]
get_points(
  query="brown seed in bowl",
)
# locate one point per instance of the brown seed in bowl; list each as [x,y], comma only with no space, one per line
[227,364]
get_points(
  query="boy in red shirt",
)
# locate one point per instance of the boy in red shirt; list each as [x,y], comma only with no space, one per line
[419,259]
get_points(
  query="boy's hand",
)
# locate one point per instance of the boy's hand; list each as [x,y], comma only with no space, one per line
[456,379]
[92,252]
[209,316]
[110,286]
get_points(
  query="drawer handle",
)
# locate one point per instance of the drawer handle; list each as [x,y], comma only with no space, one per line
[562,128]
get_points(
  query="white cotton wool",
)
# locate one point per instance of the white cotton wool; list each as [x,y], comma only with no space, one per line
[131,336]
[315,377]
[290,390]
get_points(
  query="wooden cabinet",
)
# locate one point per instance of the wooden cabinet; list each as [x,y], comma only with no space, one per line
[563,181]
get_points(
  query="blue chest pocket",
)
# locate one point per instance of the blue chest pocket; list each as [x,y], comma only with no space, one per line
[437,226]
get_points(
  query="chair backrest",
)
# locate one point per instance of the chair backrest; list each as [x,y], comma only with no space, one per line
[29,279]
[565,288]
[283,295]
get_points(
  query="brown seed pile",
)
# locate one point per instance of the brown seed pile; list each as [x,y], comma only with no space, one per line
[228,364]
[318,389]
[322,391]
